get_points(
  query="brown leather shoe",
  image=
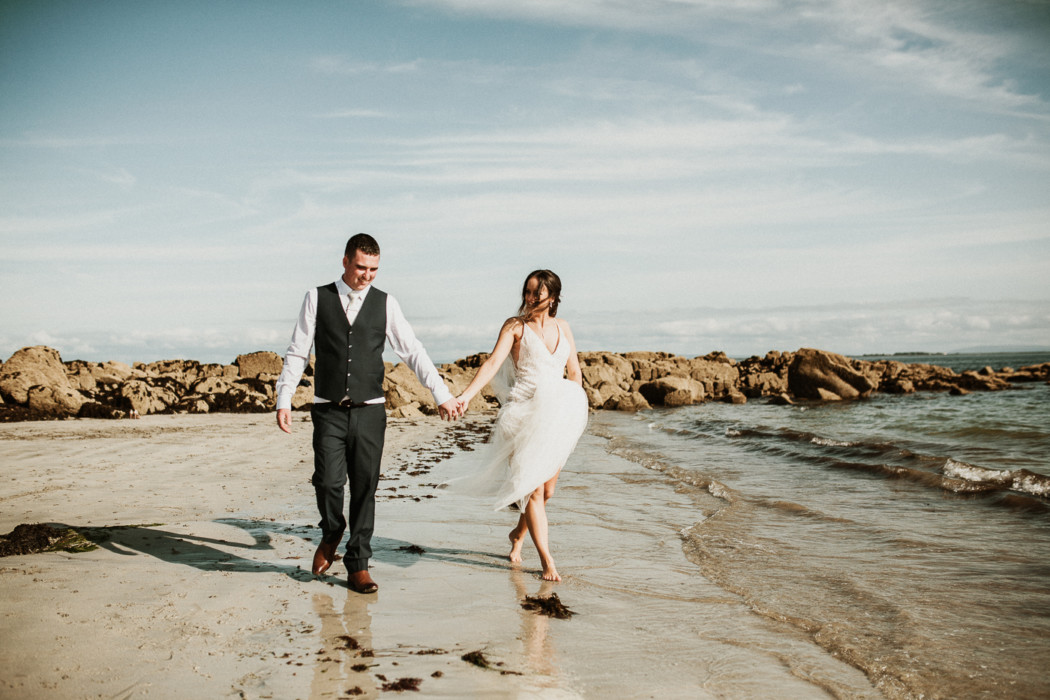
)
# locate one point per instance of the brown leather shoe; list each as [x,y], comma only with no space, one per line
[324,557]
[361,582]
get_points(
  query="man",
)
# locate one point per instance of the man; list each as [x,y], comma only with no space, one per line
[348,322]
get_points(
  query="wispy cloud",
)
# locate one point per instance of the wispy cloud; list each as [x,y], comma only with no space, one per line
[343,65]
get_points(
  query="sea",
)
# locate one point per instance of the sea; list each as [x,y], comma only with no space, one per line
[907,536]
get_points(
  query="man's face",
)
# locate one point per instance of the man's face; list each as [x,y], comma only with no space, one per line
[359,271]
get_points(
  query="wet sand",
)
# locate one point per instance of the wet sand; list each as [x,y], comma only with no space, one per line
[201,586]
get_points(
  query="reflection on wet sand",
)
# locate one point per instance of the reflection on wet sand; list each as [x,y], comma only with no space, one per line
[539,652]
[345,654]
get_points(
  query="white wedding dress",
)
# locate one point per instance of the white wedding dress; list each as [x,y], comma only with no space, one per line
[541,419]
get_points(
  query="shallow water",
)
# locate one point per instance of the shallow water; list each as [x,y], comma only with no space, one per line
[908,536]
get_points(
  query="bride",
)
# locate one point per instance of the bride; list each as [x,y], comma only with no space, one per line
[543,414]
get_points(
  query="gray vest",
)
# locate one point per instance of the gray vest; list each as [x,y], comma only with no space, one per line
[349,359]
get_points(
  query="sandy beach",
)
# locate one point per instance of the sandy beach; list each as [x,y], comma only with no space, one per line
[200,586]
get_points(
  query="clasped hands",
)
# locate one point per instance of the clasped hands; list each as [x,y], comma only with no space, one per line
[453,409]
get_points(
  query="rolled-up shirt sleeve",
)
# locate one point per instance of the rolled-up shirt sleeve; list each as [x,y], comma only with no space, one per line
[407,346]
[298,354]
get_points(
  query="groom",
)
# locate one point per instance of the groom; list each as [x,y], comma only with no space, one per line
[348,322]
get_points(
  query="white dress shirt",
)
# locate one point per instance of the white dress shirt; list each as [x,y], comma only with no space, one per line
[399,335]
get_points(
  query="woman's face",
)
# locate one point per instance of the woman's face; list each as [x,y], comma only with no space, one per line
[535,293]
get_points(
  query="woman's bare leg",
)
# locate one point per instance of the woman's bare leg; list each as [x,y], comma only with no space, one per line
[517,535]
[517,539]
[536,520]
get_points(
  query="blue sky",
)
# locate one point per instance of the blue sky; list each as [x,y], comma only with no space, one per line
[854,175]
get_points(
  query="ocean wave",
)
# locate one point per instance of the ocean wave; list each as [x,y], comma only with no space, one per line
[1021,480]
[828,442]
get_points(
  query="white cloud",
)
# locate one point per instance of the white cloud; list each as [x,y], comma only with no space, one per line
[342,65]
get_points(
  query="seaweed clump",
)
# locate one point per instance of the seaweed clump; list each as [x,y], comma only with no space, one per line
[403,684]
[476,658]
[39,537]
[551,606]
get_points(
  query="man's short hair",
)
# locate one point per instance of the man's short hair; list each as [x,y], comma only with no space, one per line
[363,242]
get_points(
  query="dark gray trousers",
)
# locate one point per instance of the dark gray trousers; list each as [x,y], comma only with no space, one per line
[348,448]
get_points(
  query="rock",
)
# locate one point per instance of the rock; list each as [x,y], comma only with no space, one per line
[80,376]
[1022,377]
[401,387]
[253,364]
[781,400]
[192,404]
[55,401]
[140,396]
[33,366]
[821,375]
[763,384]
[112,372]
[303,398]
[628,401]
[975,381]
[897,386]
[185,372]
[735,397]
[717,377]
[245,396]
[958,391]
[986,371]
[719,356]
[212,385]
[94,409]
[673,391]
[408,410]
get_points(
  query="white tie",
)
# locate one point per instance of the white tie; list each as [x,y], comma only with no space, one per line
[353,307]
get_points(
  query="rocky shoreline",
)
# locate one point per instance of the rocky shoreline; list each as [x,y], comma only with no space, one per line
[35,384]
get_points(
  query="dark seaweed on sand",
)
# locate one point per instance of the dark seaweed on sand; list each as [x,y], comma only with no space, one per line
[350,642]
[551,605]
[31,539]
[476,658]
[412,549]
[403,684]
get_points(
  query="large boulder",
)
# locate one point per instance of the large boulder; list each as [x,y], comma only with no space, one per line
[33,366]
[672,391]
[185,372]
[822,375]
[246,396]
[80,376]
[256,363]
[628,401]
[401,387]
[144,398]
[719,376]
[113,372]
[55,401]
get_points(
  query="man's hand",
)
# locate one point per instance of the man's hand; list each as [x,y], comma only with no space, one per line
[450,410]
[284,419]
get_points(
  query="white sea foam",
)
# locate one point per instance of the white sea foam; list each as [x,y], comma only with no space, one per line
[969,472]
[828,442]
[1033,484]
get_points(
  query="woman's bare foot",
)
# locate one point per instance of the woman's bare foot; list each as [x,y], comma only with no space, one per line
[517,540]
[550,573]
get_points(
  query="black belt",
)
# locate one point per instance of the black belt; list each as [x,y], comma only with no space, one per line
[350,404]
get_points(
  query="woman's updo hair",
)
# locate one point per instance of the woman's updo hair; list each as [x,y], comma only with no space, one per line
[545,279]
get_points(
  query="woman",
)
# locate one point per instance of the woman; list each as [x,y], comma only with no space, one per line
[542,416]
